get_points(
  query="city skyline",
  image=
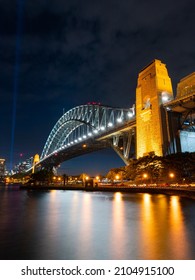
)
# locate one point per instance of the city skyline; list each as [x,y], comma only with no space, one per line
[63,55]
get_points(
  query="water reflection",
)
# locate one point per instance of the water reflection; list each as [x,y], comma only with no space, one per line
[85,225]
[118,229]
[178,234]
[162,228]
[147,228]
[74,208]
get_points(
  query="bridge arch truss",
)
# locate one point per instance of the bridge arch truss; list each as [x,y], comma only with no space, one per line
[85,123]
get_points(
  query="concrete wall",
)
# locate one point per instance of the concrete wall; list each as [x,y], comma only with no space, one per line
[187,140]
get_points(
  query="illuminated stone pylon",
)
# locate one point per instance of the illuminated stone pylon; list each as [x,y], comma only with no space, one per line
[153,89]
[35,161]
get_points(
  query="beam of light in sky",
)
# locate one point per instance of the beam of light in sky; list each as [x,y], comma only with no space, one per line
[19,27]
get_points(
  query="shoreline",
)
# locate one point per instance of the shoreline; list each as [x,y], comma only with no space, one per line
[153,190]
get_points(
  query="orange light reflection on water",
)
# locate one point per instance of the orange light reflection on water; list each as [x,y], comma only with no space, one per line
[178,234]
[118,235]
[147,230]
[162,224]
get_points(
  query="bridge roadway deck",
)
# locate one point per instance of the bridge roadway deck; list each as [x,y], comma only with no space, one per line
[92,144]
[73,151]
[182,104]
[118,130]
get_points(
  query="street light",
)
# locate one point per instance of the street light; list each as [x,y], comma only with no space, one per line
[145,175]
[171,175]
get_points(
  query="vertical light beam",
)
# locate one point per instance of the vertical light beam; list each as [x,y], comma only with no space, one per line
[19,27]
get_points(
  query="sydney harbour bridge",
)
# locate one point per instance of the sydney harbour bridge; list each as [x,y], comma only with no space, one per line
[157,123]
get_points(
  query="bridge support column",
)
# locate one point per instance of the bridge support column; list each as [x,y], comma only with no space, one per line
[122,145]
[153,89]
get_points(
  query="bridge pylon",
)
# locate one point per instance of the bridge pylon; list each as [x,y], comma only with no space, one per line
[154,88]
[35,161]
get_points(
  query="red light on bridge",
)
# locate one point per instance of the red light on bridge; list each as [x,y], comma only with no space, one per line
[93,103]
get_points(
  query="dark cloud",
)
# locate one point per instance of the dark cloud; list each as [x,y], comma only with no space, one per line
[72,52]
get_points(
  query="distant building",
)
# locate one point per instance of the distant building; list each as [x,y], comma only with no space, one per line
[21,167]
[186,86]
[2,167]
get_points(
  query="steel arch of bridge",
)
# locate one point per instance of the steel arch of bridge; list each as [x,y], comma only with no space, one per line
[83,123]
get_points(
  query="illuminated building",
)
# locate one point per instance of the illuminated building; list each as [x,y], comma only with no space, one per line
[2,167]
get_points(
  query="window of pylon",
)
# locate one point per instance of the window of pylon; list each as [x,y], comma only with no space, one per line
[146,102]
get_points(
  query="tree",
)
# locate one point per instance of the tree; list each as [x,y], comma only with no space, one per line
[121,172]
[65,179]
[42,177]
[182,165]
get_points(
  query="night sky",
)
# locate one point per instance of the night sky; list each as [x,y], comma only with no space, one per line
[57,54]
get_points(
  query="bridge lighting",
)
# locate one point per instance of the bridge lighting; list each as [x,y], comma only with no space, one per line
[80,138]
[110,124]
[119,120]
[75,140]
[71,142]
[102,128]
[89,134]
[130,114]
[95,131]
[84,136]
[165,98]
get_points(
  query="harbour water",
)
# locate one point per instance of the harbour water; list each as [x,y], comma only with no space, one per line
[79,225]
